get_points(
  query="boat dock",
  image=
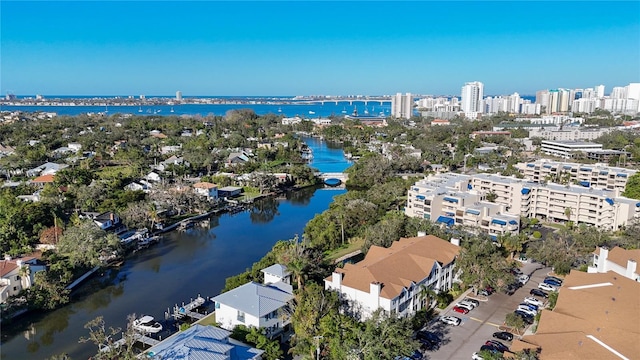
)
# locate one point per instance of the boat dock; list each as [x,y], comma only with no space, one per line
[137,338]
[186,310]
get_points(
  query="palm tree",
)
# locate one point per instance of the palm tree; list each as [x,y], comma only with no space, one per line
[426,295]
[25,273]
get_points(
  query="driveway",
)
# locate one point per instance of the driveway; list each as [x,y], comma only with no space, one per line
[460,342]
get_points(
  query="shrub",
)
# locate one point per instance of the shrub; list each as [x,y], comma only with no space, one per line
[537,234]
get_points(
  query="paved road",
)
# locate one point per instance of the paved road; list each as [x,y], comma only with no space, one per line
[460,342]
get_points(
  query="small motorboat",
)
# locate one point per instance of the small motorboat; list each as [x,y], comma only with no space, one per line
[147,324]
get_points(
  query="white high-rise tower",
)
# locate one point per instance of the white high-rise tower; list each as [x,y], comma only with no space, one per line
[402,106]
[472,94]
[179,95]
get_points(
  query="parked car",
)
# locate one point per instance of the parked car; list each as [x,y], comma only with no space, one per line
[526,310]
[490,348]
[533,301]
[451,320]
[523,279]
[473,301]
[516,271]
[490,289]
[498,345]
[431,340]
[547,287]
[554,278]
[530,306]
[538,292]
[467,305]
[461,310]
[483,292]
[524,316]
[552,282]
[510,289]
[503,335]
[476,356]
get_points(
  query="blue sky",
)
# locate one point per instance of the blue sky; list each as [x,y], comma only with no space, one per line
[303,48]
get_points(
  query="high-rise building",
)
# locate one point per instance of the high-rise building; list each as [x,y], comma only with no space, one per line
[600,91]
[402,106]
[472,94]
[179,95]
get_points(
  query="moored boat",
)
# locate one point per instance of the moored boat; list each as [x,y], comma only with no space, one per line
[147,324]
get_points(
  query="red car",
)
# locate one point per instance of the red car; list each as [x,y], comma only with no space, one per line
[460,310]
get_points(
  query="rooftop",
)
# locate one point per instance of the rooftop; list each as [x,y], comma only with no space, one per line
[257,299]
[596,317]
[406,262]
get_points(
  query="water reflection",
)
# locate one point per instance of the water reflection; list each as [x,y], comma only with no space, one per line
[264,210]
[301,197]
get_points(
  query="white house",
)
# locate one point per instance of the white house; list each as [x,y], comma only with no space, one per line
[618,260]
[391,278]
[153,176]
[17,274]
[257,305]
[207,189]
[108,221]
[202,342]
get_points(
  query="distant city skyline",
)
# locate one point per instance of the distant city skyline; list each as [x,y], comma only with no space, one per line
[304,48]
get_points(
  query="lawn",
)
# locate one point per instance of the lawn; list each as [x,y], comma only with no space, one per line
[344,250]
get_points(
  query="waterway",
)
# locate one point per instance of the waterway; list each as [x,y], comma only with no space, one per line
[306,110]
[181,266]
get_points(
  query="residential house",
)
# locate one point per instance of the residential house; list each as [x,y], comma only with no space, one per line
[229,191]
[173,160]
[258,305]
[237,158]
[18,274]
[109,221]
[391,278]
[140,185]
[46,169]
[157,134]
[153,176]
[170,149]
[596,317]
[206,189]
[202,342]
[618,260]
[42,180]
[6,150]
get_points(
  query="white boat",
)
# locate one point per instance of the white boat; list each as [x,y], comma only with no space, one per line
[171,109]
[147,324]
[279,110]
[312,112]
[140,109]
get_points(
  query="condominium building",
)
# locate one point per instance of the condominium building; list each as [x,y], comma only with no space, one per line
[597,175]
[618,260]
[447,199]
[391,278]
[472,94]
[601,208]
[402,106]
[569,133]
[567,149]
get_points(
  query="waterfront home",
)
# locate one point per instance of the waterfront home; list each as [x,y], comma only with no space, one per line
[202,342]
[392,278]
[109,221]
[17,275]
[258,305]
[229,191]
[206,189]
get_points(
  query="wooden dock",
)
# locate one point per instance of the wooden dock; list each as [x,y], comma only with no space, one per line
[186,310]
[137,337]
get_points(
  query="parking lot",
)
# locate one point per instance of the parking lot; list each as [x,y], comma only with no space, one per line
[460,342]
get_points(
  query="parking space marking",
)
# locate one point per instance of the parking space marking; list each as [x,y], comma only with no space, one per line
[483,322]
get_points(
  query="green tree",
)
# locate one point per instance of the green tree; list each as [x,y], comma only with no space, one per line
[632,189]
[84,244]
[426,295]
[514,321]
[385,336]
[104,338]
[482,264]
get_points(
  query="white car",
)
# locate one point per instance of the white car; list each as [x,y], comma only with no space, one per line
[533,301]
[547,287]
[467,305]
[523,279]
[527,310]
[451,320]
[476,356]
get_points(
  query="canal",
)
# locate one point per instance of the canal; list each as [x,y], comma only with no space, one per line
[181,266]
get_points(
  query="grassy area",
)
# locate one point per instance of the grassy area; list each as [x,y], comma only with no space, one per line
[555,225]
[208,320]
[342,251]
